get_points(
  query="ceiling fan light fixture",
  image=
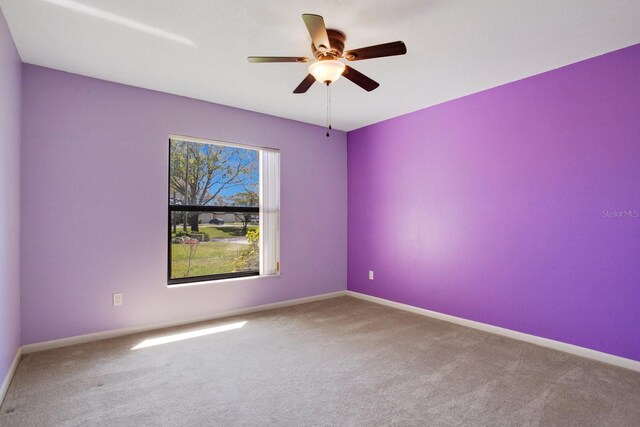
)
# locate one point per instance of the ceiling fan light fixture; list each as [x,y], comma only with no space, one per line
[327,71]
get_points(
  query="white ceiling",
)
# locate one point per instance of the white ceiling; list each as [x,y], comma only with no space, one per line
[199,48]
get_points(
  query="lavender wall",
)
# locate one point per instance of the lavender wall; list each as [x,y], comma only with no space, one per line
[94,172]
[9,199]
[490,207]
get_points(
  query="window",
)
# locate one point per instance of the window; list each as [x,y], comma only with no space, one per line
[223,210]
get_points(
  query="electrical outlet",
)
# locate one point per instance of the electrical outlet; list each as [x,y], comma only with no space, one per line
[370,274]
[117,300]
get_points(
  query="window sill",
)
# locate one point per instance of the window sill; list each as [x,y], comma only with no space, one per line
[226,280]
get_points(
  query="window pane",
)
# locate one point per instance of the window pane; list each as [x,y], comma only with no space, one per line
[212,175]
[208,243]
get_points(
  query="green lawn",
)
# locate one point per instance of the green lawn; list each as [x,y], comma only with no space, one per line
[209,258]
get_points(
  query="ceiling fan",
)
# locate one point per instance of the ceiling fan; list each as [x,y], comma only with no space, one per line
[328,47]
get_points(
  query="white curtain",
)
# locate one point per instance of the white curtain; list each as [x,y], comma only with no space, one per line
[269,212]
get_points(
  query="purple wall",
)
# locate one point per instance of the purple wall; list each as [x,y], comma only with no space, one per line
[94,174]
[9,199]
[490,207]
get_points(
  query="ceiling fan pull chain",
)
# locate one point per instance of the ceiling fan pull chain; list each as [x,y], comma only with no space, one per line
[328,107]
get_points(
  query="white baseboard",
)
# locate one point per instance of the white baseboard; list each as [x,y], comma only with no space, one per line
[63,342]
[12,370]
[545,342]
[611,359]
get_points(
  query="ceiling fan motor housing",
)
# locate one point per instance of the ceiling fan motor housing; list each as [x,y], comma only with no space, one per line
[336,40]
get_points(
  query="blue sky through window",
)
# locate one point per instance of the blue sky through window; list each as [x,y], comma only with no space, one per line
[217,174]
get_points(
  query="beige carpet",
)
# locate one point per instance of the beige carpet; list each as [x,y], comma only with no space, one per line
[336,362]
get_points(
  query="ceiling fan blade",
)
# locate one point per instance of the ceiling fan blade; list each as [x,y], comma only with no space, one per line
[377,51]
[260,59]
[360,79]
[305,84]
[317,30]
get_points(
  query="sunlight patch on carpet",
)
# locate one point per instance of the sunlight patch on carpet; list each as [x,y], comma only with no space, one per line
[188,335]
